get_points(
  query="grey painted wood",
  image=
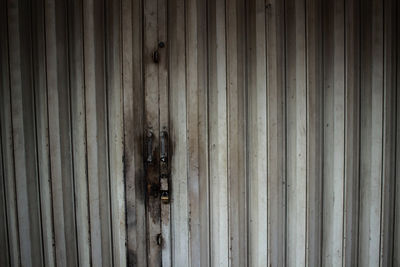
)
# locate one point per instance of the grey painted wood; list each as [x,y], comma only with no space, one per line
[162,32]
[352,142]
[203,120]
[96,134]
[257,136]
[23,128]
[7,142]
[276,132]
[192,80]
[42,130]
[78,125]
[296,136]
[314,132]
[178,133]
[218,131]
[389,136]
[60,134]
[396,236]
[372,93]
[283,119]
[4,249]
[115,130]
[133,133]
[334,130]
[235,58]
[152,126]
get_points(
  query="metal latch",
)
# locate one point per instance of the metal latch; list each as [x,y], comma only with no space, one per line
[149,144]
[164,170]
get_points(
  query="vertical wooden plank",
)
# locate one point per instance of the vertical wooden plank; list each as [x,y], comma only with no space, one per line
[372,93]
[276,132]
[257,136]
[96,134]
[193,131]
[115,130]
[23,123]
[4,248]
[389,134]
[7,140]
[334,111]
[352,143]
[162,25]
[218,145]
[42,130]
[59,134]
[178,133]
[314,132]
[78,128]
[296,99]
[133,132]
[152,126]
[396,236]
[202,78]
[235,38]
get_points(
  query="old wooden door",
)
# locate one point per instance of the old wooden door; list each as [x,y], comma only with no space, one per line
[199,133]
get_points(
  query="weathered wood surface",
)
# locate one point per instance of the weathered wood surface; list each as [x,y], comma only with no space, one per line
[296,136]
[283,118]
[257,135]
[178,134]
[352,134]
[334,130]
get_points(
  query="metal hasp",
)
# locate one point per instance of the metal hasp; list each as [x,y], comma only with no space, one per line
[164,170]
[149,147]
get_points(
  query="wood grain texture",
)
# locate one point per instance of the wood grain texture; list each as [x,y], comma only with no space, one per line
[23,129]
[163,82]
[78,125]
[60,133]
[283,120]
[133,132]
[372,93]
[42,122]
[315,104]
[334,130]
[276,132]
[218,132]
[192,82]
[96,133]
[4,250]
[296,136]
[396,236]
[7,142]
[257,136]
[178,133]
[389,136]
[152,126]
[235,58]
[115,130]
[352,132]
[203,122]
